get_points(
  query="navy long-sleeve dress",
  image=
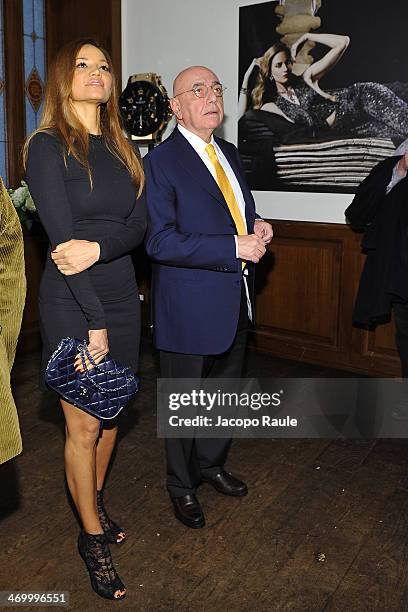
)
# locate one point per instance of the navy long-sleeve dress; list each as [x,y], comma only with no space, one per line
[105,295]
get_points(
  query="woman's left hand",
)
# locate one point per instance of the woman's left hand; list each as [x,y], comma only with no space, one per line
[313,82]
[75,256]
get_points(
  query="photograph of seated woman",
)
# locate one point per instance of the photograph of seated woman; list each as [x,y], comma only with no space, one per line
[283,108]
[86,180]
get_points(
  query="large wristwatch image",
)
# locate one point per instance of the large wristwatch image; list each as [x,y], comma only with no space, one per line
[145,108]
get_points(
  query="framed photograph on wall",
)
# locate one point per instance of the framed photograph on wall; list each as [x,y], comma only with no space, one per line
[323,92]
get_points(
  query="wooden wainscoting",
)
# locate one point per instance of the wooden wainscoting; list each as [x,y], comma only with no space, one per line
[306,285]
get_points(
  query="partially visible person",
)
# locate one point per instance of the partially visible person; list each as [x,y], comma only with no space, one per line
[379,208]
[86,181]
[12,297]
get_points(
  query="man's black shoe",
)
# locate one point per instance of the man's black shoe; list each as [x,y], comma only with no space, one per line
[188,510]
[226,483]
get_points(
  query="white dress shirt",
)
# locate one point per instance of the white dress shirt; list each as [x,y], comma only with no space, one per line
[199,146]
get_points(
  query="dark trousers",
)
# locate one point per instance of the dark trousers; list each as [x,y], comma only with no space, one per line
[189,458]
[401,334]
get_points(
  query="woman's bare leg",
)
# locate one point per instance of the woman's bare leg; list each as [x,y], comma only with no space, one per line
[104,450]
[82,431]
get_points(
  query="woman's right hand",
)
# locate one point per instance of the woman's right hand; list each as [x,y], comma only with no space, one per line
[244,93]
[255,62]
[98,346]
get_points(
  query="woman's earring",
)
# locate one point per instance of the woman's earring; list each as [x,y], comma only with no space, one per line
[271,78]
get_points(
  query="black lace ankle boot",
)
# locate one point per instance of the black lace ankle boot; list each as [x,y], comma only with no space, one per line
[94,550]
[114,534]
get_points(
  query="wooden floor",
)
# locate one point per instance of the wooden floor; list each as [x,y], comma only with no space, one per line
[324,527]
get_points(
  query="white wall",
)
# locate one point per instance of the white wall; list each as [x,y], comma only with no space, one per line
[165,36]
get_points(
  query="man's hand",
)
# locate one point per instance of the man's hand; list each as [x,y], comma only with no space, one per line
[98,347]
[75,256]
[250,248]
[402,165]
[264,230]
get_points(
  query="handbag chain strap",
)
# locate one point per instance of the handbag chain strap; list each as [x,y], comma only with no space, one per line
[85,352]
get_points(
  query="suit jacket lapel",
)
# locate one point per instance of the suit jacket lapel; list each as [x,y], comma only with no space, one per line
[192,163]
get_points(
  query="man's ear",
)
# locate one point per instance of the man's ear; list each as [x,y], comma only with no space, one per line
[175,107]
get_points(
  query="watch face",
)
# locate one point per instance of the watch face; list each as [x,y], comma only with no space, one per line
[144,108]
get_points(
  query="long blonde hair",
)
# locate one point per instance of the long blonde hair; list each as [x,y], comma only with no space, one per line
[263,80]
[60,118]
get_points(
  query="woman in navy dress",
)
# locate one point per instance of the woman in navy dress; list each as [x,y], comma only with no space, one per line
[86,180]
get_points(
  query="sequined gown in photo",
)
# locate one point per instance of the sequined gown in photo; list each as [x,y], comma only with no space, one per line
[362,110]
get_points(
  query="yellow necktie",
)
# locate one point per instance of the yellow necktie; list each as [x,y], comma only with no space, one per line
[226,190]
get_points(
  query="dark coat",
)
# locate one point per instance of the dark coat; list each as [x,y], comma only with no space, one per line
[385,219]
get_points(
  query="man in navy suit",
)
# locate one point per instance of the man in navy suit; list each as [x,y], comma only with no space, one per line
[203,237]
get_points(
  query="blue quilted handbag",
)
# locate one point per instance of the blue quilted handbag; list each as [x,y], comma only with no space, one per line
[102,390]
